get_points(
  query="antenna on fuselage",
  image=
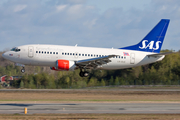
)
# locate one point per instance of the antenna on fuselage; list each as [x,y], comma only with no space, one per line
[76,45]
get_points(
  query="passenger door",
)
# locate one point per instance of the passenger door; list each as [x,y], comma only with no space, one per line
[30,51]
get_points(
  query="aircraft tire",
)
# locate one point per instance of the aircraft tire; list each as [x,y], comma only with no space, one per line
[22,70]
[81,74]
[86,74]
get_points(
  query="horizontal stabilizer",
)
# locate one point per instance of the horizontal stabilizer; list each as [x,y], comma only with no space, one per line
[160,54]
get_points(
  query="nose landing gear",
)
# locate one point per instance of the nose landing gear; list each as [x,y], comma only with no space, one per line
[23,70]
[21,65]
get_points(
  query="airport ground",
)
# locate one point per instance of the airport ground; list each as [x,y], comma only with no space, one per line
[112,95]
[148,98]
[91,117]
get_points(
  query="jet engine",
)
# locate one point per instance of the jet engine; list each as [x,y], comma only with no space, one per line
[64,65]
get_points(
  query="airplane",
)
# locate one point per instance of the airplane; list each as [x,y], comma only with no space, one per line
[69,58]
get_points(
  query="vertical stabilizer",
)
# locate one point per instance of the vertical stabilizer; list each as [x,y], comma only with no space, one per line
[153,41]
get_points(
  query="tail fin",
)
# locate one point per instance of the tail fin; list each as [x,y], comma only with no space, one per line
[153,40]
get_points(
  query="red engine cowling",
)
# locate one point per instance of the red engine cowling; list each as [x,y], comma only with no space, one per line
[65,65]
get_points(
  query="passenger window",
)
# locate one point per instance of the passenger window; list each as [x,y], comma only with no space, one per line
[76,54]
[91,55]
[67,53]
[122,57]
[56,52]
[44,52]
[70,53]
[88,54]
[85,54]
[36,51]
[82,54]
[62,53]
[99,55]
[39,51]
[50,52]
[79,54]
[47,52]
[73,53]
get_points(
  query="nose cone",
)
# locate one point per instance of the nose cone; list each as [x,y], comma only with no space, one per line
[4,55]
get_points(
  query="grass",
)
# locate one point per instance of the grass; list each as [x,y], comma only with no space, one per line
[91,117]
[137,87]
[91,96]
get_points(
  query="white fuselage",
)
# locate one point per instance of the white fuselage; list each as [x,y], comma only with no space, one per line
[47,55]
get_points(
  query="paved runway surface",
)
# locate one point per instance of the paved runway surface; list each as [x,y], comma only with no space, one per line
[9,108]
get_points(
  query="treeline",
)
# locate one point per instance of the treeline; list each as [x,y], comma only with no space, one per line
[165,72]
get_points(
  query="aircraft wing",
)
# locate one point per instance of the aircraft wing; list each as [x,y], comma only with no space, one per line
[94,62]
[160,54]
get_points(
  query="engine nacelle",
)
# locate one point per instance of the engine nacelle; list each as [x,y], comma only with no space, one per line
[64,65]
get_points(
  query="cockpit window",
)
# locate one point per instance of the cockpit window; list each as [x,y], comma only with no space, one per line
[15,49]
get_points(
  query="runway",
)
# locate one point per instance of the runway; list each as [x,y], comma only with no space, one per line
[150,108]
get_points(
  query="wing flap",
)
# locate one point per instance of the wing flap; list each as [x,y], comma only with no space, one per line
[94,62]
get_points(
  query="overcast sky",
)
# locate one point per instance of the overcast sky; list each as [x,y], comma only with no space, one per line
[92,23]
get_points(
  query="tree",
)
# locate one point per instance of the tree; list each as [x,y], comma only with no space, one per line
[22,84]
[122,81]
[81,84]
[102,82]
[31,84]
[116,81]
[91,82]
[111,81]
[67,81]
[51,84]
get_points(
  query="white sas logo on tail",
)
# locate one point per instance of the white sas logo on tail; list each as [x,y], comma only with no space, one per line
[150,45]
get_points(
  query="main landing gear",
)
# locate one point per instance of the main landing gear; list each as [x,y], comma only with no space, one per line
[23,70]
[83,73]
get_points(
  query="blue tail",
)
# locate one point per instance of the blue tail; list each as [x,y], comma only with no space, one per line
[153,40]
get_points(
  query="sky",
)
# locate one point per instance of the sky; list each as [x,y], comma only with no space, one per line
[91,23]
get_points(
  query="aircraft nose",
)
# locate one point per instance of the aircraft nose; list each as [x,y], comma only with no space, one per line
[4,55]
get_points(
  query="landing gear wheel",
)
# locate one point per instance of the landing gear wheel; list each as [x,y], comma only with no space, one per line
[83,74]
[22,70]
[86,74]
